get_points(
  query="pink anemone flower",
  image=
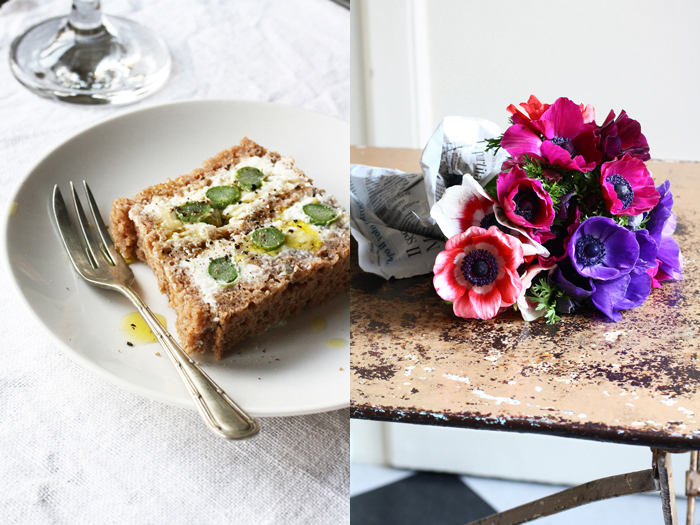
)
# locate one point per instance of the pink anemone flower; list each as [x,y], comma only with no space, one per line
[628,188]
[478,271]
[563,137]
[524,200]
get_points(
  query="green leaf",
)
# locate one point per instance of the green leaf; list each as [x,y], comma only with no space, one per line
[493,144]
[622,220]
[491,188]
[546,294]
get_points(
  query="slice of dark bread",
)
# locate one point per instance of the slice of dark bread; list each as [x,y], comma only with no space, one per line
[309,267]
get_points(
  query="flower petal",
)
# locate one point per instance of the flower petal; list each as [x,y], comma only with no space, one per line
[486,305]
[637,290]
[444,281]
[519,140]
[670,258]
[609,293]
[566,117]
[463,307]
[510,287]
[461,207]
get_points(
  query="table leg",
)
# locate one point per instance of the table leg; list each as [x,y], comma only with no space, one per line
[664,472]
[692,487]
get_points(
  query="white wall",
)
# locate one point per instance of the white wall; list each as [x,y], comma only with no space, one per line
[503,455]
[422,60]
[416,61]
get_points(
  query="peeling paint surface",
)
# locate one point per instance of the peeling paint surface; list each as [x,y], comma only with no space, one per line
[636,381]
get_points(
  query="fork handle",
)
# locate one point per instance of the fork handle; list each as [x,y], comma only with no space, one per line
[221,414]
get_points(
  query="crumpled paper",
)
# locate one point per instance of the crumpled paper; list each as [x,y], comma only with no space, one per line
[390,210]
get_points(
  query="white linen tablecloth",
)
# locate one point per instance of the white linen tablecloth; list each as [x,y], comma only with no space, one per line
[75,449]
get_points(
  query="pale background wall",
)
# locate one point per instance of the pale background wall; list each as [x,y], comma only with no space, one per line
[417,61]
[413,62]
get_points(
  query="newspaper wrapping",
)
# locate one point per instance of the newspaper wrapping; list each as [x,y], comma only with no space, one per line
[385,218]
[390,209]
[458,148]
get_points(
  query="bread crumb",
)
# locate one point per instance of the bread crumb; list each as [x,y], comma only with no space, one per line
[341,369]
[158,354]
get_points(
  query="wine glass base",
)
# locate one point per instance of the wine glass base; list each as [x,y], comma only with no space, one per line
[119,63]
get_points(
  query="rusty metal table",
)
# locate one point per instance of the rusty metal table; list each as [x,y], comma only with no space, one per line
[636,381]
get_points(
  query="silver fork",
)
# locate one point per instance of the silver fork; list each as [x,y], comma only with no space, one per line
[98,262]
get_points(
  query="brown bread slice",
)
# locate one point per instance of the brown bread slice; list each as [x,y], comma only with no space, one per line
[310,267]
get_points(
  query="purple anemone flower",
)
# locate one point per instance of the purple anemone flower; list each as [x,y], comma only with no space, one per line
[603,250]
[564,139]
[661,225]
[608,294]
[567,279]
[629,290]
[628,188]
[622,135]
[625,292]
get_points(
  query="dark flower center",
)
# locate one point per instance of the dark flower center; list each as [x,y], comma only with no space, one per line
[589,250]
[575,278]
[556,246]
[527,204]
[623,189]
[566,144]
[479,267]
[490,220]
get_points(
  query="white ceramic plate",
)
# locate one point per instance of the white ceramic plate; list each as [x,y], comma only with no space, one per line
[288,370]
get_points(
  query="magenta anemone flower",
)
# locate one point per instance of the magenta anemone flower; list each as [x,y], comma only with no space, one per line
[478,271]
[562,138]
[622,135]
[524,201]
[628,188]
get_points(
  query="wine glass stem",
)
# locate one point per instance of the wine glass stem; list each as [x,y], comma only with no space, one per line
[85,17]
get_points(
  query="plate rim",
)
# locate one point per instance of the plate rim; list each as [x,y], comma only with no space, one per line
[65,348]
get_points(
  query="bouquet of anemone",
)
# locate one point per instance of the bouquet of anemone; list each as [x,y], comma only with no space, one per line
[573,220]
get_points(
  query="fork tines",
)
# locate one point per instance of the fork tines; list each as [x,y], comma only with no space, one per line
[96,245]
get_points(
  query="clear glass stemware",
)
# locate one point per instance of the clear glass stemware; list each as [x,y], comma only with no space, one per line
[90,58]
